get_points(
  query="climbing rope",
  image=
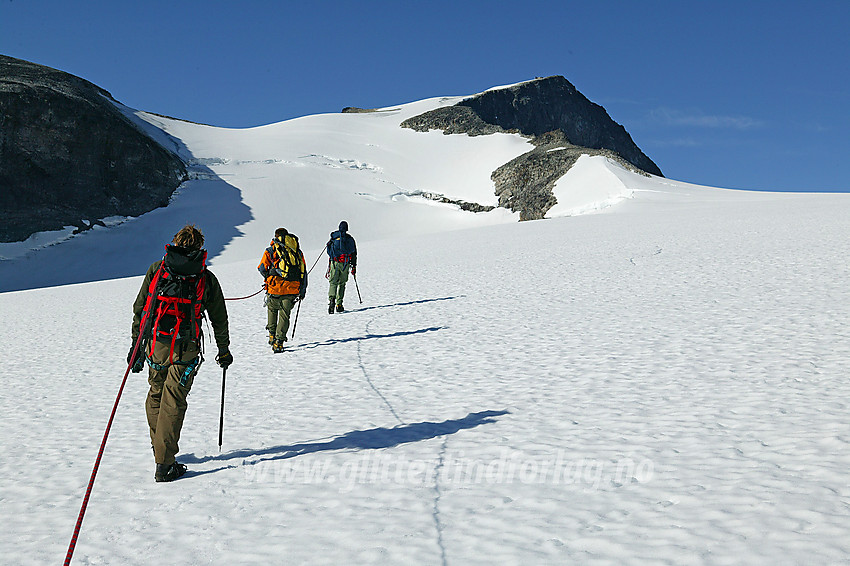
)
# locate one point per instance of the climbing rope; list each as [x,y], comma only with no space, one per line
[321,253]
[248,297]
[264,286]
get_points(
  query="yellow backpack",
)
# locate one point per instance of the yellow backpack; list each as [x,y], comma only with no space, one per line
[289,261]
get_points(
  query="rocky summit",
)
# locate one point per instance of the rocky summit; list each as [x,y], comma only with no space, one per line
[69,156]
[552,114]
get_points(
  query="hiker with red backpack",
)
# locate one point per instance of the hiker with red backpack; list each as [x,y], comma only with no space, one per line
[342,258]
[285,273]
[175,295]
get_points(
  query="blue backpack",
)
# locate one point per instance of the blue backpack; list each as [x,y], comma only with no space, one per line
[341,246]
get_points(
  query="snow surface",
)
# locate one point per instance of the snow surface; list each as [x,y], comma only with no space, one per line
[591,185]
[662,383]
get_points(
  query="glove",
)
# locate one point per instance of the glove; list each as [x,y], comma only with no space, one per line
[139,362]
[354,270]
[224,359]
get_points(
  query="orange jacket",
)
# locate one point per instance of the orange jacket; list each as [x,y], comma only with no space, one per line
[278,282]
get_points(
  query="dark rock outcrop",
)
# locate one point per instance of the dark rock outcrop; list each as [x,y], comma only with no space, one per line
[452,120]
[462,204]
[536,107]
[553,114]
[525,184]
[68,154]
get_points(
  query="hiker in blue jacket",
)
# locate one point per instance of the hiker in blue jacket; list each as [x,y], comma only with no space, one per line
[342,259]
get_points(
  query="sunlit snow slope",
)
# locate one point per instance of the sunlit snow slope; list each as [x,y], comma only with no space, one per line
[306,175]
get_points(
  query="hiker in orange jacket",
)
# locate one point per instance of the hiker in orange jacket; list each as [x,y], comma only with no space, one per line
[285,274]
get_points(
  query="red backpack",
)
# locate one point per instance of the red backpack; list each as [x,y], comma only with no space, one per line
[174,306]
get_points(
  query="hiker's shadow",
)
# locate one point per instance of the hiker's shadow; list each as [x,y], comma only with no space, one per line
[371,439]
[332,341]
[404,304]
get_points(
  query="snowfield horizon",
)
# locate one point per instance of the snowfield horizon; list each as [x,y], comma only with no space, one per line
[657,374]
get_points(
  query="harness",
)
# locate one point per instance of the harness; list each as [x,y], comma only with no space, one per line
[171,312]
[191,367]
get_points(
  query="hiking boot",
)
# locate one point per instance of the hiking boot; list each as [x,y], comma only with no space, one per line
[271,339]
[169,472]
[340,308]
[331,306]
[277,347]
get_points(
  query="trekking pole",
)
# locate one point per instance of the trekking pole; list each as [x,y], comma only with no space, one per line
[298,310]
[221,417]
[356,286]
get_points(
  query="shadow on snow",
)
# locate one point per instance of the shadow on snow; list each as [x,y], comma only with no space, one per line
[331,342]
[128,249]
[371,439]
[407,303]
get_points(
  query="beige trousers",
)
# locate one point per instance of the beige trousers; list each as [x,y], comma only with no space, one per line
[166,401]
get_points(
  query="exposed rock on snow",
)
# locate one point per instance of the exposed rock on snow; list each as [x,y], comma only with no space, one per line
[553,114]
[536,107]
[464,205]
[67,154]
[452,120]
[525,184]
[356,110]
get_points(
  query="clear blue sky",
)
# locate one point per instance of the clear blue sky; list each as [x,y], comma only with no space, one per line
[740,94]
